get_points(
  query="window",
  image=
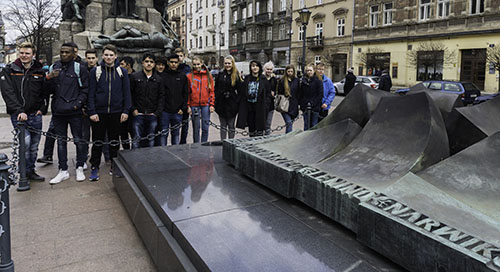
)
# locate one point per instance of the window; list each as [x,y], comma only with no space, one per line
[201,43]
[341,27]
[244,37]
[213,4]
[206,38]
[425,10]
[206,3]
[430,65]
[301,33]
[190,43]
[319,2]
[282,32]
[190,25]
[244,13]
[250,35]
[374,16]
[234,39]
[269,33]
[206,19]
[250,9]
[302,3]
[222,20]
[196,43]
[476,6]
[319,30]
[214,19]
[317,59]
[191,8]
[213,39]
[443,8]
[235,16]
[182,10]
[201,22]
[257,8]
[222,39]
[387,13]
[282,5]
[197,23]
[269,5]
[197,6]
[257,35]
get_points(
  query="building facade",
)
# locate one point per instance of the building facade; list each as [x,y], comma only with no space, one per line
[207,30]
[418,40]
[177,19]
[260,30]
[328,35]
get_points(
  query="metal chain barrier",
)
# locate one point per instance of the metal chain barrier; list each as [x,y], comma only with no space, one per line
[135,139]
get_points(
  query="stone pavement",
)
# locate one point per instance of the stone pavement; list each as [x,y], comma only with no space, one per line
[77,226]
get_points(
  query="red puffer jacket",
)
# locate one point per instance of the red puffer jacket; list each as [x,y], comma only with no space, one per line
[201,89]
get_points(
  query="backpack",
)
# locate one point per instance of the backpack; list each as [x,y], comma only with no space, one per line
[77,72]
[98,72]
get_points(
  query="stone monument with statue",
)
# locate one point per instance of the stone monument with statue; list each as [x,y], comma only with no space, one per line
[133,26]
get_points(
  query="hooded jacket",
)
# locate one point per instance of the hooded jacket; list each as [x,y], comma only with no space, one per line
[148,94]
[328,92]
[226,95]
[68,96]
[111,94]
[176,91]
[201,88]
[310,91]
[24,90]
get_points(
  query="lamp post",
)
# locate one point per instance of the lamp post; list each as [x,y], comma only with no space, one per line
[304,19]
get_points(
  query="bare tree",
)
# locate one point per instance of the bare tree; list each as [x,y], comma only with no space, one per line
[493,58]
[35,19]
[430,56]
[375,59]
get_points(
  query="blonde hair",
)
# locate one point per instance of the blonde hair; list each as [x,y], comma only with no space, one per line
[28,45]
[235,74]
[209,80]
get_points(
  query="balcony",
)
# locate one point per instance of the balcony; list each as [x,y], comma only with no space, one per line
[315,43]
[194,32]
[212,28]
[264,18]
[189,15]
[242,3]
[175,17]
[267,44]
[241,24]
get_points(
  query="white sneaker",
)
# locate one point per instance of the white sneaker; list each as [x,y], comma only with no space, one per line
[85,167]
[62,175]
[79,174]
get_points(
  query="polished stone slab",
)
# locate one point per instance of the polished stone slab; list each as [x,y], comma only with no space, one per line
[210,217]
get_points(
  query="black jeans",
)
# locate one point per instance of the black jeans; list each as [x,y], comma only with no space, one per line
[48,148]
[184,128]
[61,123]
[110,124]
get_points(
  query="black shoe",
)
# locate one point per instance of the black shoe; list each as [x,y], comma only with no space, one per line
[35,177]
[45,159]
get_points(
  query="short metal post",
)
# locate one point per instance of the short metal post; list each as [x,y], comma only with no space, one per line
[24,184]
[6,263]
[309,115]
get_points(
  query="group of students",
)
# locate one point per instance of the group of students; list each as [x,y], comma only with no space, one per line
[159,99]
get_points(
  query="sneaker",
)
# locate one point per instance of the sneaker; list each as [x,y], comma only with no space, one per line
[94,174]
[85,167]
[45,159]
[111,171]
[35,177]
[62,175]
[79,174]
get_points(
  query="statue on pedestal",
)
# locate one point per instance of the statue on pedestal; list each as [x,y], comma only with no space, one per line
[73,9]
[132,40]
[123,8]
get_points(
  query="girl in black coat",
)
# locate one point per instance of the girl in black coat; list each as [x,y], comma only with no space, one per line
[310,94]
[254,97]
[227,85]
[289,86]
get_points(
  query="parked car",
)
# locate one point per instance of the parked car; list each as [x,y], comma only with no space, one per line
[467,90]
[279,72]
[370,81]
[483,98]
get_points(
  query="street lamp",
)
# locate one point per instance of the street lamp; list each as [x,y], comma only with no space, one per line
[304,19]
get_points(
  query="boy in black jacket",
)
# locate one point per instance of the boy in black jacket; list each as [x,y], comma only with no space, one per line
[176,96]
[147,89]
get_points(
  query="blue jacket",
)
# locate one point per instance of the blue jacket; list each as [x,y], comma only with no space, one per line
[184,68]
[328,91]
[69,97]
[111,94]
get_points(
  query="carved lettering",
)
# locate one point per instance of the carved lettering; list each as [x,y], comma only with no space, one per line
[350,190]
[364,195]
[470,242]
[485,249]
[428,224]
[452,234]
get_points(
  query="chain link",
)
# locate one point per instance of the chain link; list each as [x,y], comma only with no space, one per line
[15,157]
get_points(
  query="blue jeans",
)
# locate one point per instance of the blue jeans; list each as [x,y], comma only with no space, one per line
[204,113]
[288,122]
[143,125]
[169,119]
[61,123]
[314,119]
[31,139]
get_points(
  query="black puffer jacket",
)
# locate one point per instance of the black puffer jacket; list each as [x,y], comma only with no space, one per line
[148,94]
[310,91]
[226,95]
[176,91]
[23,90]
